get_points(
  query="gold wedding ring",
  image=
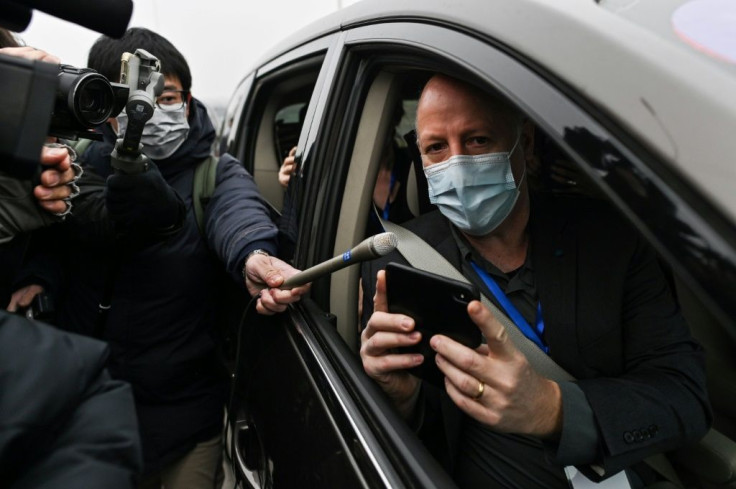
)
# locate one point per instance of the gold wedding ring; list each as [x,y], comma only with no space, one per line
[481,389]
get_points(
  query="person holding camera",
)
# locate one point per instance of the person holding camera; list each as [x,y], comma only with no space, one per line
[589,295]
[23,205]
[164,296]
[28,205]
[64,422]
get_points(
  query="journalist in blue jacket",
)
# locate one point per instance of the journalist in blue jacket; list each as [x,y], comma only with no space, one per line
[162,277]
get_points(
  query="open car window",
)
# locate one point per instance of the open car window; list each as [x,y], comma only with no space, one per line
[360,160]
[583,161]
[278,107]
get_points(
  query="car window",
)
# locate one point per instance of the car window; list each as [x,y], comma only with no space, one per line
[579,171]
[394,186]
[287,126]
[227,137]
[580,150]
[278,107]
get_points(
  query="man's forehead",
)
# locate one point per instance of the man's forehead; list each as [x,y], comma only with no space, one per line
[442,91]
[172,83]
[460,121]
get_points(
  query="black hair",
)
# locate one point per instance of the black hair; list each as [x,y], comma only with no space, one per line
[104,56]
[7,39]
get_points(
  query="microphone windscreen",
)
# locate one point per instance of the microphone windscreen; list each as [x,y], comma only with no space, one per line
[109,17]
[384,243]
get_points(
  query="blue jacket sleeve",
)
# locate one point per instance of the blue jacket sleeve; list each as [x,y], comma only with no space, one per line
[237,219]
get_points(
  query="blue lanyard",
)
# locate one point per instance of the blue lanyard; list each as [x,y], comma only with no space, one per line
[387,207]
[534,334]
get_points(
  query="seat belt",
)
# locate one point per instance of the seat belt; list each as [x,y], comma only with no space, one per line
[421,255]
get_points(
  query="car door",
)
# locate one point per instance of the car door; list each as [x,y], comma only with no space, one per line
[694,239]
[303,411]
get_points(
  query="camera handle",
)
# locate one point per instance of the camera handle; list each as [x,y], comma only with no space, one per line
[127,157]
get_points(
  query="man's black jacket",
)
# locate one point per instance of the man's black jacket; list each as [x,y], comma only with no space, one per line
[610,320]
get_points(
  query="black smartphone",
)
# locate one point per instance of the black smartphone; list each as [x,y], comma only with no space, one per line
[40,309]
[438,305]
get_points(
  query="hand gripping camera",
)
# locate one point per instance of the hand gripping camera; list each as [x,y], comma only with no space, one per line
[41,99]
[141,73]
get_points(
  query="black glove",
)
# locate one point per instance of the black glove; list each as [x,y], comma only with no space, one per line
[144,202]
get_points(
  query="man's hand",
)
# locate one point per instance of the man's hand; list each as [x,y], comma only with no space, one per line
[144,201]
[31,54]
[263,275]
[383,334]
[22,298]
[56,180]
[287,168]
[58,176]
[514,397]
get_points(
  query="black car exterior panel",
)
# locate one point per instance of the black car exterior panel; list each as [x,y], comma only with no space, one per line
[229,139]
[390,434]
[309,188]
[279,399]
[337,428]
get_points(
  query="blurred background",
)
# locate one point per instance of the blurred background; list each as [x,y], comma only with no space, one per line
[221,39]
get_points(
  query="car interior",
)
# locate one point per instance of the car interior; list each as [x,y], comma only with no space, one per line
[282,106]
[281,119]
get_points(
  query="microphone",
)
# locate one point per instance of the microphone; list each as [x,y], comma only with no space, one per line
[370,248]
[109,17]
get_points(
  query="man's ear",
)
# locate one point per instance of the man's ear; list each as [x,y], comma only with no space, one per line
[189,104]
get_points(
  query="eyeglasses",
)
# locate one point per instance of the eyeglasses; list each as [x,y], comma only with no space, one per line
[170,100]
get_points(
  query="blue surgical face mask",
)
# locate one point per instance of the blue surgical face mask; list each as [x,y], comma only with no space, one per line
[475,192]
[163,134]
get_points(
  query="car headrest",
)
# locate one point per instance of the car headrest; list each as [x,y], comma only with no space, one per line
[417,192]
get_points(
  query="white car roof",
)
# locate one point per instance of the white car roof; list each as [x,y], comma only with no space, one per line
[626,56]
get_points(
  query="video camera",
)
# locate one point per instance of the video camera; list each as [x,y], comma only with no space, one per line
[42,99]
[141,72]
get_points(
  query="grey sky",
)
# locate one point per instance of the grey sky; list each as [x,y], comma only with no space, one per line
[221,39]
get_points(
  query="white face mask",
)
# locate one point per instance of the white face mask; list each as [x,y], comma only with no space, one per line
[163,134]
[475,192]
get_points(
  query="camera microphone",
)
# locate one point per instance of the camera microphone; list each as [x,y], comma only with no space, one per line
[109,17]
[370,248]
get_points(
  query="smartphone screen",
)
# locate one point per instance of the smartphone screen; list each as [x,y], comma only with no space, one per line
[438,305]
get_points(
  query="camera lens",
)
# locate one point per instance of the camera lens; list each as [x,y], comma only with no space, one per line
[92,100]
[89,100]
[84,100]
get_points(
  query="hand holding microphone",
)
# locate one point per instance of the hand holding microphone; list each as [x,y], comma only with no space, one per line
[263,273]
[370,248]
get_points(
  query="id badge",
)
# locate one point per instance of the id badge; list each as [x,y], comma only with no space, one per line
[576,480]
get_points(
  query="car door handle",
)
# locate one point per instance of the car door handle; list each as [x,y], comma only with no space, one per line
[248,453]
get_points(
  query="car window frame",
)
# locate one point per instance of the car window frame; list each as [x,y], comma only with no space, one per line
[324,160]
[556,108]
[376,437]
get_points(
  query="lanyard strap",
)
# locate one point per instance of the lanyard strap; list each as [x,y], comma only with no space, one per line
[534,334]
[387,206]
